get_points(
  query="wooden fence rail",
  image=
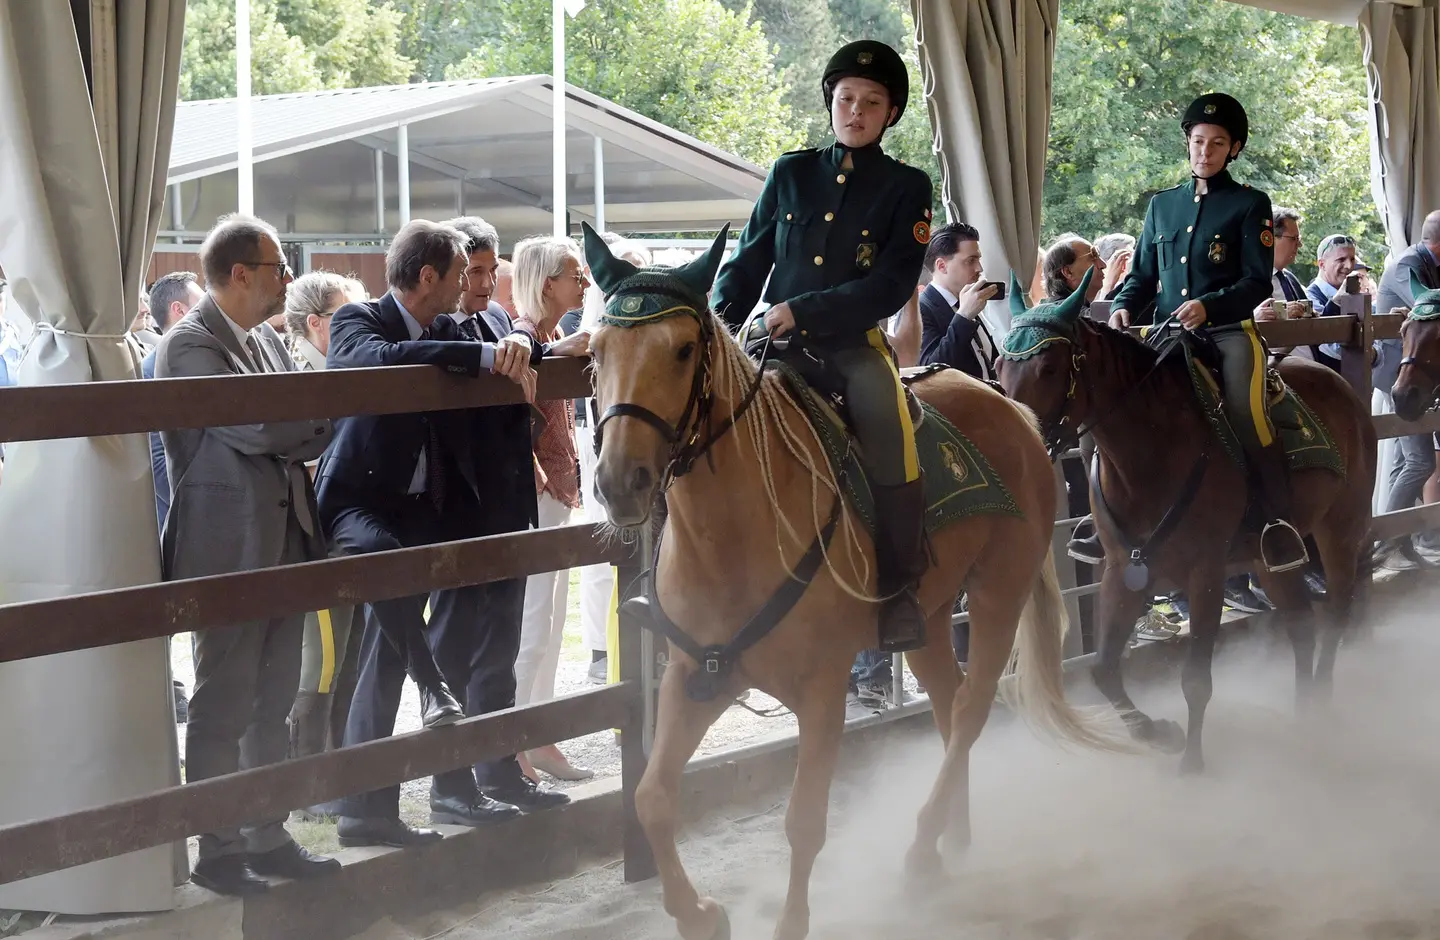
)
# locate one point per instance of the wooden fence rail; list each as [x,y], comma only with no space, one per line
[85,621]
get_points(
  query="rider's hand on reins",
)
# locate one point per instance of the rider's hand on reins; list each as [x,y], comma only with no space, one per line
[1120,319]
[779,319]
[1191,314]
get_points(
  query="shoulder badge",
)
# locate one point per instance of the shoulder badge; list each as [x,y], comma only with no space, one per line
[922,232]
[1267,238]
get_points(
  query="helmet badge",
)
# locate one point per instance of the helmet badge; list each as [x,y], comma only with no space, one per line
[1209,109]
[865,58]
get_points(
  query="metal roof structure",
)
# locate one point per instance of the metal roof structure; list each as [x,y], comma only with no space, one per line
[338,165]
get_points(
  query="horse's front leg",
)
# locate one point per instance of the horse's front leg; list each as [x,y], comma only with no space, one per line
[1206,595]
[1119,608]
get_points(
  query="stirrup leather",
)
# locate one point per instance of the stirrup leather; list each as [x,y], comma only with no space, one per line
[1304,552]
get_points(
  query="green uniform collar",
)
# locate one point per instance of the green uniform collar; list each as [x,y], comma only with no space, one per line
[1220,181]
[862,157]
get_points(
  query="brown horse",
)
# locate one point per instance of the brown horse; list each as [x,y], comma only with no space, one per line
[747,487]
[1150,436]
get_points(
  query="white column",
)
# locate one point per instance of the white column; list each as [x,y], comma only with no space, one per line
[599,184]
[402,140]
[177,211]
[460,196]
[379,190]
[244,167]
[557,74]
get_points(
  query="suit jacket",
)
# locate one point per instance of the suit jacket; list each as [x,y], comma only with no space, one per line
[157,455]
[231,488]
[372,460]
[952,339]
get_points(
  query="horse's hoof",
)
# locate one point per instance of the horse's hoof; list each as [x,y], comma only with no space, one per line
[1165,735]
[722,924]
[1191,765]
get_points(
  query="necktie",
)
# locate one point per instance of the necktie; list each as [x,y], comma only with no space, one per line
[253,347]
[469,329]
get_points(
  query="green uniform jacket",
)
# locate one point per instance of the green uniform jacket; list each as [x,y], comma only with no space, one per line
[845,246]
[1218,248]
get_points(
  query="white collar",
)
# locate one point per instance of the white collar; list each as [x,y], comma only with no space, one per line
[241,334]
[313,357]
[950,298]
[412,325]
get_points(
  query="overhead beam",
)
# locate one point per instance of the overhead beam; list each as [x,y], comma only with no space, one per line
[418,159]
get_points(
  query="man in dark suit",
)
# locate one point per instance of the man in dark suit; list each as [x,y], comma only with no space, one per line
[1417,451]
[952,329]
[398,481]
[241,500]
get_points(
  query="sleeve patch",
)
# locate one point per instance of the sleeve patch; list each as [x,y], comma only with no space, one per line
[922,232]
[1267,239]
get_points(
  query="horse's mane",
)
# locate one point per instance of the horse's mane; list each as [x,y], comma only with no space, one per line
[775,412]
[1131,360]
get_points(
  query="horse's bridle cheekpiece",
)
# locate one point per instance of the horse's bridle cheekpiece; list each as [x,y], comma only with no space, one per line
[1033,330]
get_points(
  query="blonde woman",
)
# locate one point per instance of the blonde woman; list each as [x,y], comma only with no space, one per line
[549,281]
[328,662]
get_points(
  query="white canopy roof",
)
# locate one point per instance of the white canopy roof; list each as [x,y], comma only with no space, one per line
[482,145]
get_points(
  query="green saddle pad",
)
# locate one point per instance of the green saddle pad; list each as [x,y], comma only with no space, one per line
[959,481]
[1308,444]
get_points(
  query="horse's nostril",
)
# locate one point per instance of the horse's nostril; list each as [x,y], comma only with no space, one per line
[641,479]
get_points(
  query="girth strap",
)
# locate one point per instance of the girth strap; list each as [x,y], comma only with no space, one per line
[718,662]
[1137,573]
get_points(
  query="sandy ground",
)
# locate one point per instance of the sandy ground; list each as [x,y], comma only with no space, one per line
[1299,830]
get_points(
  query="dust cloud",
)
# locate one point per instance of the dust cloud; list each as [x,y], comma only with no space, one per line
[1298,830]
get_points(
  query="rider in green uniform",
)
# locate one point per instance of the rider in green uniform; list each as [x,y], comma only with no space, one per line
[1206,255]
[840,232]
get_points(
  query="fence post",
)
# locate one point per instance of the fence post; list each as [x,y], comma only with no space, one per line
[1355,355]
[1065,566]
[637,666]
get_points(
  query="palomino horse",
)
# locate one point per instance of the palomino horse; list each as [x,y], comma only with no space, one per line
[1417,387]
[1161,462]
[686,415]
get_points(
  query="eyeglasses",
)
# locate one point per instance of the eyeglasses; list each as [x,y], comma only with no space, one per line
[282,268]
[1334,241]
[580,278]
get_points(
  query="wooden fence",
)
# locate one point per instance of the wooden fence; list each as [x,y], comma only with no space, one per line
[159,610]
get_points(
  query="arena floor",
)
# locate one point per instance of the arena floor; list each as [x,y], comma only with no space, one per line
[1298,831]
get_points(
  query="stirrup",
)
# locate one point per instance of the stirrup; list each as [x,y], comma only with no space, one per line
[1304,552]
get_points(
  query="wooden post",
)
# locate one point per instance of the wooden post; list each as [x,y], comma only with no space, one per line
[638,668]
[1355,355]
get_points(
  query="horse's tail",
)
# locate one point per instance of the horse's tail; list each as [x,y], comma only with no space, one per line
[1037,689]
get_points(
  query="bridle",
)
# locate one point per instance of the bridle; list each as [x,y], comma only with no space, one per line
[1414,362]
[693,435]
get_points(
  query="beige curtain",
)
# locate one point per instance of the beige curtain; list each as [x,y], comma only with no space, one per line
[82,192]
[1402,61]
[986,66]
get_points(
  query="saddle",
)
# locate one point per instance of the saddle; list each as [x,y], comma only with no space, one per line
[810,364]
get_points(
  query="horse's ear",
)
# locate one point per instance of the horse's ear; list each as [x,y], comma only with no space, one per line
[1417,287]
[1017,297]
[606,270]
[1069,309]
[699,273]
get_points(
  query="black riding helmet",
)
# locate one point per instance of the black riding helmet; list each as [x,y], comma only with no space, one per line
[872,59]
[1219,109]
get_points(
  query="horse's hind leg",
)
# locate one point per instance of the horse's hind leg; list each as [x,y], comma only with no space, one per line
[994,615]
[1291,597]
[821,716]
[681,724]
[936,669]
[1341,556]
[1117,612]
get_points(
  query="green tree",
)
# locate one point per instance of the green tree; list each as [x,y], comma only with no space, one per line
[804,37]
[689,64]
[1123,75]
[296,45]
[436,34]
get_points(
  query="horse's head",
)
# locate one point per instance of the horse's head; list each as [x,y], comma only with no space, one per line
[652,369]
[1040,361]
[1418,383]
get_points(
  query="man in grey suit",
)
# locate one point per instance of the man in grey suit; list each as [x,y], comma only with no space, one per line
[1416,451]
[240,500]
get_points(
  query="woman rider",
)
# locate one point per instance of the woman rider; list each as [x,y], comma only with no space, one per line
[1206,255]
[841,233]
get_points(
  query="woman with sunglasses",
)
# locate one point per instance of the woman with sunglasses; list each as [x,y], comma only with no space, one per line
[1205,258]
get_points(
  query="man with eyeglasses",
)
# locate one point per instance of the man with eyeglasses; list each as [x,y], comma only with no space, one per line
[247,480]
[1336,257]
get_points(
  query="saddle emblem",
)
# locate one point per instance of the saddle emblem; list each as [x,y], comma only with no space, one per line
[631,304]
[950,454]
[1217,252]
[1306,433]
[865,256]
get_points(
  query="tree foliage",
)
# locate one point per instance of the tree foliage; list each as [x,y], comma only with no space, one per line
[690,64]
[296,45]
[1124,74]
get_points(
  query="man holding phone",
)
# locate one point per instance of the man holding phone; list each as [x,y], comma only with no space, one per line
[952,329]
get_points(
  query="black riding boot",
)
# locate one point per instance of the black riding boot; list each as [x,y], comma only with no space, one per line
[1281,547]
[900,558]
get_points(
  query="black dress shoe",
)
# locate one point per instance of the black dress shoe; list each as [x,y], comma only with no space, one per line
[438,707]
[478,810]
[228,874]
[525,794]
[291,860]
[356,831]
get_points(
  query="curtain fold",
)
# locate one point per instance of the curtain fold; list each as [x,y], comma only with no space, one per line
[986,66]
[83,184]
[1402,65]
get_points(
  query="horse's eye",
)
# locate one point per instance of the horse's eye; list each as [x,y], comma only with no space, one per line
[686,352]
